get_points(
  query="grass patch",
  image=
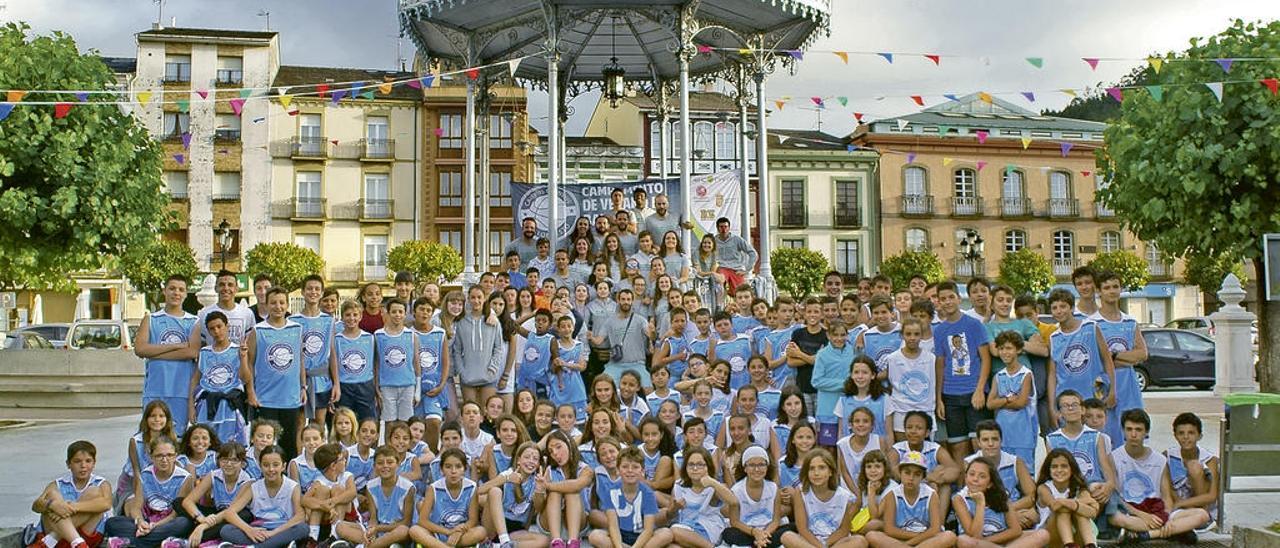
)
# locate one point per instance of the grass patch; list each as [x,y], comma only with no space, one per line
[1275,527]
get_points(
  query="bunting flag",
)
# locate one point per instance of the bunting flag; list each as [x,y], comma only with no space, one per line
[473,73]
[144,97]
[385,88]
[782,139]
[1155,63]
[60,110]
[851,148]
[1031,97]
[858,116]
[1009,169]
[943,130]
[368,94]
[946,161]
[184,105]
[985,97]
[282,90]
[887,57]
[1117,94]
[186,140]
[844,56]
[1069,92]
[337,95]
[82,96]
[844,101]
[203,93]
[1093,62]
[982,135]
[1157,92]
[1026,142]
[293,112]
[245,93]
[703,48]
[1216,88]
[779,104]
[918,100]
[334,141]
[259,119]
[285,100]
[1037,62]
[981,164]
[937,59]
[1272,84]
[439,132]
[818,101]
[415,84]
[902,124]
[513,65]
[1066,147]
[15,95]
[322,90]
[428,80]
[356,89]
[1225,64]
[950,97]
[180,158]
[796,54]
[911,157]
[237,106]
[5,110]
[1086,172]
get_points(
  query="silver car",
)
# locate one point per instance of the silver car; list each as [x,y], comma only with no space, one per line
[55,333]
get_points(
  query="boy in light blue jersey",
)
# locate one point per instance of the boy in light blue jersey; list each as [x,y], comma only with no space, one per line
[539,352]
[433,360]
[398,371]
[164,341]
[743,321]
[317,341]
[1078,356]
[353,357]
[883,336]
[279,387]
[733,348]
[1126,346]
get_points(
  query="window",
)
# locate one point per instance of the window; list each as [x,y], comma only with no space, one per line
[726,140]
[175,124]
[377,196]
[310,140]
[230,70]
[499,131]
[1014,240]
[499,189]
[375,257]
[1011,184]
[176,182]
[913,182]
[793,207]
[308,202]
[227,128]
[451,238]
[847,257]
[177,68]
[450,189]
[655,139]
[1159,340]
[751,143]
[450,130]
[1063,253]
[703,139]
[1193,343]
[498,240]
[1100,182]
[917,239]
[1059,186]
[964,183]
[376,135]
[308,241]
[793,243]
[846,213]
[226,185]
[1109,241]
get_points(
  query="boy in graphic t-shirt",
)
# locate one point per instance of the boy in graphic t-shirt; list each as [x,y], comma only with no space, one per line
[963,367]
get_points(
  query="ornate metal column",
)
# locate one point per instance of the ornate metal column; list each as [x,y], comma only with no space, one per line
[485,127]
[744,185]
[553,128]
[685,139]
[469,273]
[768,288]
[664,141]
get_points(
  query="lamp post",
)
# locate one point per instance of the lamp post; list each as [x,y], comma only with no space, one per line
[223,233]
[972,247]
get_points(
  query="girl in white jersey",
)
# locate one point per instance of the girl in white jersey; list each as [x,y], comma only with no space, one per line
[276,504]
[911,372]
[474,440]
[983,511]
[700,501]
[1066,509]
[854,447]
[758,520]
[825,508]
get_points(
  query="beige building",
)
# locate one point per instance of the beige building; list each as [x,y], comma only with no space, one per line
[939,184]
[824,199]
[344,181]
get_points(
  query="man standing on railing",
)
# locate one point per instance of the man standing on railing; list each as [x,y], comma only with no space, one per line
[735,255]
[527,244]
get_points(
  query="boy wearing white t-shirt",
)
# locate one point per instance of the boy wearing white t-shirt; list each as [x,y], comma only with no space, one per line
[1146,499]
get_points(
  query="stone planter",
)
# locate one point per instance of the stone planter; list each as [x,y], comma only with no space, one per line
[1254,537]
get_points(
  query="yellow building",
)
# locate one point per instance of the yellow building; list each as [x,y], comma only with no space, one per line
[939,184]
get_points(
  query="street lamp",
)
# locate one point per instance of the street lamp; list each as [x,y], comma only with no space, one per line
[223,233]
[972,247]
[615,84]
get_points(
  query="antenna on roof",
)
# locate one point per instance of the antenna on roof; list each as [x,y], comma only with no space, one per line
[159,24]
[267,14]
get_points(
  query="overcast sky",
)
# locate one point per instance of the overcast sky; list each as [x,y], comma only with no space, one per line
[991,39]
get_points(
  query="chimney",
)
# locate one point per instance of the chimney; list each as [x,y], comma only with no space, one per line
[157,26]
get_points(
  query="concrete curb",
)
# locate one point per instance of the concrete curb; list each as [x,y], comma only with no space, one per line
[1254,537]
[11,538]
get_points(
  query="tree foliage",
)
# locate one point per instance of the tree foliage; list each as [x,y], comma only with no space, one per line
[1026,272]
[148,267]
[77,190]
[428,261]
[287,263]
[1207,271]
[798,271]
[901,267]
[1096,104]
[1133,270]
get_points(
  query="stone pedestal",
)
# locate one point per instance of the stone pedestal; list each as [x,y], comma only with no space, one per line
[1233,355]
[207,295]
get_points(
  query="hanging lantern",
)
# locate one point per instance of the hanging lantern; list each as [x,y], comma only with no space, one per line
[615,83]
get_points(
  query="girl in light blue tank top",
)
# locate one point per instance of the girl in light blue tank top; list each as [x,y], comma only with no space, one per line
[451,503]
[998,524]
[277,364]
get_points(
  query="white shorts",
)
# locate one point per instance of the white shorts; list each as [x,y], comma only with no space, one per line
[397,402]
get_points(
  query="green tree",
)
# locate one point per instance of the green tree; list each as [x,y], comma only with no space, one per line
[1198,175]
[428,261]
[1133,270]
[902,266]
[74,191]
[798,271]
[1207,271]
[1097,105]
[148,267]
[1026,272]
[286,263]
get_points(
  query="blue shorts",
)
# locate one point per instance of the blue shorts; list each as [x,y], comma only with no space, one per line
[432,406]
[629,537]
[359,397]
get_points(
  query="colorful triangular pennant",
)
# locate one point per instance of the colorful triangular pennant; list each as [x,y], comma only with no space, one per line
[285,100]
[982,135]
[513,65]
[1216,88]
[1272,84]
[1026,142]
[61,110]
[1037,62]
[1155,63]
[237,106]
[184,105]
[937,59]
[14,95]
[843,55]
[186,140]
[917,100]
[1093,62]
[1225,64]
[887,57]
[1031,96]
[1116,93]
[1066,147]
[144,97]
[1157,92]
[902,124]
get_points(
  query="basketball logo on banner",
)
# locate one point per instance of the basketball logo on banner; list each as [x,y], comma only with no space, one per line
[536,203]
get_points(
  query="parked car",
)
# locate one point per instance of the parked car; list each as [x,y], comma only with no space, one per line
[1176,357]
[1200,324]
[23,340]
[100,334]
[55,333]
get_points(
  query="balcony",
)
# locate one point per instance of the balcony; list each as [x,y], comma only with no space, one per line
[966,206]
[232,260]
[226,196]
[1062,268]
[377,209]
[308,208]
[846,217]
[1063,208]
[302,148]
[917,206]
[345,273]
[1015,208]
[1160,270]
[793,216]
[965,268]
[377,149]
[226,135]
[1101,211]
[374,272]
[178,194]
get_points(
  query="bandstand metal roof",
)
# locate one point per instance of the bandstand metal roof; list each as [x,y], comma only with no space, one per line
[645,33]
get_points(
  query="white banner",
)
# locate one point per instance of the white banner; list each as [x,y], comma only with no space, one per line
[714,196]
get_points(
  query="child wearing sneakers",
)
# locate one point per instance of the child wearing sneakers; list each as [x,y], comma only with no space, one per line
[1146,496]
[73,507]
[1193,469]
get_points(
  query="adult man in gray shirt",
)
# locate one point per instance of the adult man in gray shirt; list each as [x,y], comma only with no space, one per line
[563,275]
[628,335]
[735,255]
[527,244]
[626,232]
[663,220]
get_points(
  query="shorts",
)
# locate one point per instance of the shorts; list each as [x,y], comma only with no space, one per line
[397,402]
[962,417]
[514,525]
[731,278]
[359,397]
[431,406]
[629,537]
[317,400]
[713,534]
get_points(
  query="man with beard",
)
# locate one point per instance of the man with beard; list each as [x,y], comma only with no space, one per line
[628,337]
[625,230]
[527,244]
[604,224]
[662,220]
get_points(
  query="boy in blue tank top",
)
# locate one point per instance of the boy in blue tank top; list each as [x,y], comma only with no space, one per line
[390,508]
[73,507]
[352,356]
[449,513]
[330,496]
[566,385]
[1127,348]
[540,351]
[398,371]
[1013,398]
[733,348]
[164,341]
[218,384]
[433,360]
[317,342]
[279,384]
[1087,447]
[1078,355]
